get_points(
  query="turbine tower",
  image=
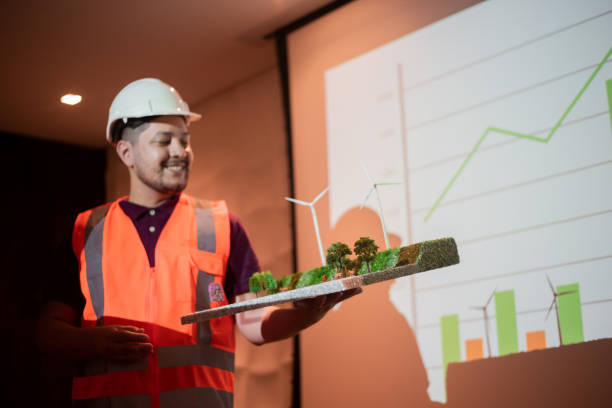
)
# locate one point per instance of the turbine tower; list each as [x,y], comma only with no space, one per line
[314,218]
[556,306]
[380,209]
[486,319]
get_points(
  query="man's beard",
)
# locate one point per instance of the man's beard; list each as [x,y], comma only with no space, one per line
[158,183]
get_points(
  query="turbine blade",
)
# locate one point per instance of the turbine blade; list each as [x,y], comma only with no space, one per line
[367,173]
[388,184]
[365,200]
[476,308]
[293,200]
[550,308]
[320,195]
[567,292]
[552,288]
[491,297]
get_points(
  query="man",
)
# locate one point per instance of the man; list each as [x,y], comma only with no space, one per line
[148,259]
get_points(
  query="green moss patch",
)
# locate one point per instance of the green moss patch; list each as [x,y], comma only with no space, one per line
[408,254]
[284,281]
[384,260]
[437,254]
[314,276]
[295,278]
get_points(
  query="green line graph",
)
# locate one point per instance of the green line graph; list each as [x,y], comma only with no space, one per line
[492,129]
[609,90]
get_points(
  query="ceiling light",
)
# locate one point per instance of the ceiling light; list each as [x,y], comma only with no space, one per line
[71,99]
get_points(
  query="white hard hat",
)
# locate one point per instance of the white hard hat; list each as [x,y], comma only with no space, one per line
[147,97]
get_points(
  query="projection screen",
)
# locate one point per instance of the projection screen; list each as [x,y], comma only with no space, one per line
[494,118]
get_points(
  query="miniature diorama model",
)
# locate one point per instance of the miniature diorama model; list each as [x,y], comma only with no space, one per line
[340,274]
[144,261]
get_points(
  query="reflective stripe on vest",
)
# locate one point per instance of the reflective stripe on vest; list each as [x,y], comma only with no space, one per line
[194,361]
[93,256]
[123,401]
[183,398]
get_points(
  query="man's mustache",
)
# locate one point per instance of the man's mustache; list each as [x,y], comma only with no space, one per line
[175,162]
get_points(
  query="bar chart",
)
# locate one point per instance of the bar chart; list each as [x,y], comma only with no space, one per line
[570,327]
[501,135]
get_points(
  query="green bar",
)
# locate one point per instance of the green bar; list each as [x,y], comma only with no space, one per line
[505,314]
[451,351]
[570,313]
[609,89]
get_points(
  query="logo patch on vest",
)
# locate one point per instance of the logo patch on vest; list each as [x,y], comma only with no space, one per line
[215,292]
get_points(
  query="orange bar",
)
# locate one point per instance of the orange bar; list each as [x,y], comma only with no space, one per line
[536,340]
[473,349]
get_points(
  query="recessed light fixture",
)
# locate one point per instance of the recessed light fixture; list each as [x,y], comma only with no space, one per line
[71,99]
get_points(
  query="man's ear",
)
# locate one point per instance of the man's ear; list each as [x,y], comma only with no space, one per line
[125,152]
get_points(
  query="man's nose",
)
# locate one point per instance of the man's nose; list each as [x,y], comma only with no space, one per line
[177,149]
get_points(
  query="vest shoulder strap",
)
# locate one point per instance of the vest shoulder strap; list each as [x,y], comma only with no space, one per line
[85,223]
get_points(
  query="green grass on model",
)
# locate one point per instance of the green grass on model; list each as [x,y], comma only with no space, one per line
[284,281]
[314,276]
[384,260]
[295,278]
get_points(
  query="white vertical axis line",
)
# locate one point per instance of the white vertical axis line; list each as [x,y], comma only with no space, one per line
[404,137]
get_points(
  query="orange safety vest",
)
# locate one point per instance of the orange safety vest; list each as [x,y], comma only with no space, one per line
[191,365]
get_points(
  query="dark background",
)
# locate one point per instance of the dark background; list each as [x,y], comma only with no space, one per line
[44,185]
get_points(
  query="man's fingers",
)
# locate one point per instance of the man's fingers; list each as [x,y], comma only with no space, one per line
[132,329]
[316,302]
[326,302]
[350,293]
[321,303]
[129,336]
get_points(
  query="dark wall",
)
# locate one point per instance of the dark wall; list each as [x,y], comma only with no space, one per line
[44,185]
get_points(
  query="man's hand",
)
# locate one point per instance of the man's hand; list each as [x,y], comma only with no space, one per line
[124,344]
[284,323]
[315,308]
[57,333]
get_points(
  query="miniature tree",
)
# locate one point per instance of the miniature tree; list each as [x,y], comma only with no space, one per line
[337,256]
[295,278]
[269,282]
[256,283]
[283,282]
[330,260]
[356,265]
[352,266]
[365,249]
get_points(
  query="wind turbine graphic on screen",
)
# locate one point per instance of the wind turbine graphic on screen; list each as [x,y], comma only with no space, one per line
[314,218]
[486,319]
[556,305]
[374,189]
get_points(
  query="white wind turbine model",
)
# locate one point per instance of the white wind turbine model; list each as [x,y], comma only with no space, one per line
[486,319]
[314,218]
[380,209]
[556,306]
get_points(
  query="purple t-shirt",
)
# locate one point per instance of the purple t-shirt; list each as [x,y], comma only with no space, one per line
[242,261]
